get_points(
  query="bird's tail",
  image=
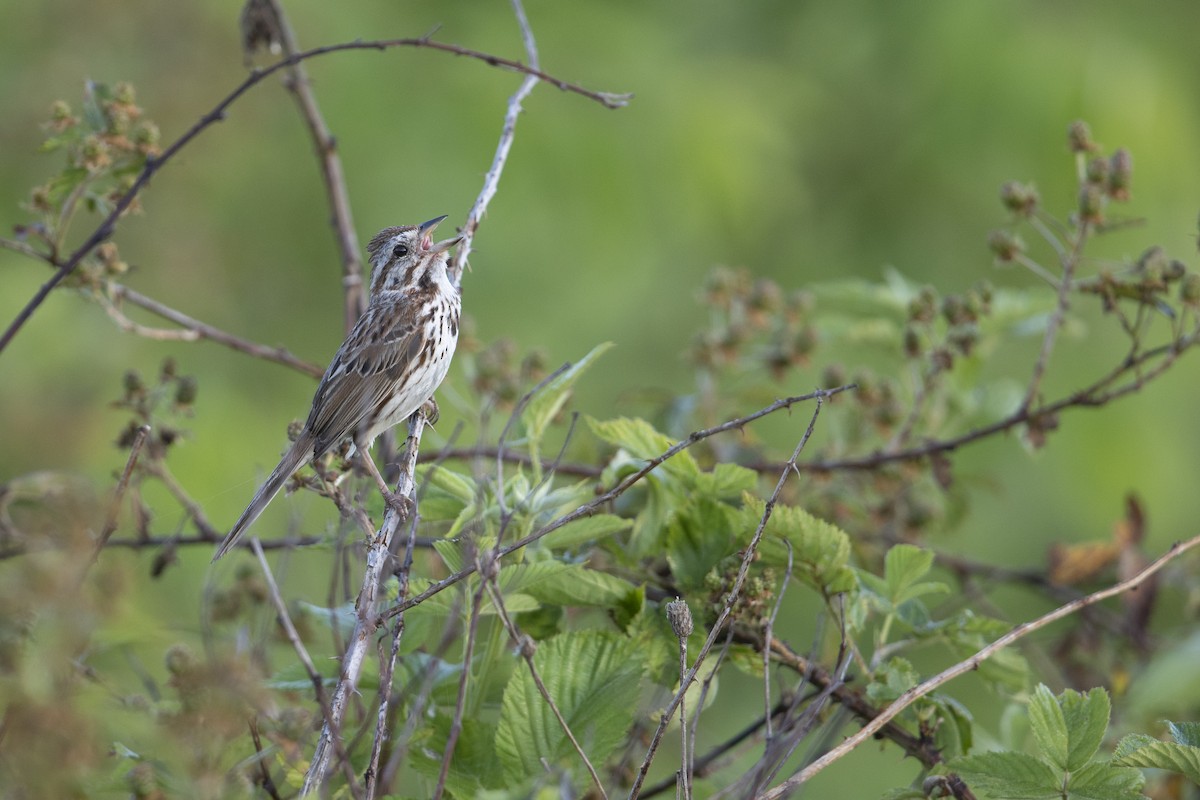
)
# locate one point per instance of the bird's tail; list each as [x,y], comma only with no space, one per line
[296,456]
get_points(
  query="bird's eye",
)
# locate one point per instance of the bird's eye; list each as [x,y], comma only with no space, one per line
[400,251]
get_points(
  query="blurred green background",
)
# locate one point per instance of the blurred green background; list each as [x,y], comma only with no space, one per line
[810,142]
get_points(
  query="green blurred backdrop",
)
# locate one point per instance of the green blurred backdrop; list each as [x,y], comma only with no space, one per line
[810,142]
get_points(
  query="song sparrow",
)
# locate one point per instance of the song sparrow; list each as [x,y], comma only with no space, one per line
[390,364]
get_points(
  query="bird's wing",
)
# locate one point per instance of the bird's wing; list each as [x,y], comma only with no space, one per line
[362,374]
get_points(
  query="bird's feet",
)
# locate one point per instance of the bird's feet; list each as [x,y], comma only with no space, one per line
[431,412]
[402,504]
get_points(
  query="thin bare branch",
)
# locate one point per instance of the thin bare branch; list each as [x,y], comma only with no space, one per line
[193,329]
[971,664]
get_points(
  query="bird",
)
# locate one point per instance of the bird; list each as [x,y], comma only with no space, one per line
[392,361]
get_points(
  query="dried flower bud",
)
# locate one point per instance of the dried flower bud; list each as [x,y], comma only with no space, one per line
[1005,244]
[185,392]
[133,382]
[680,617]
[953,309]
[1120,176]
[1175,270]
[1189,290]
[923,307]
[914,344]
[179,659]
[61,117]
[1091,203]
[146,137]
[1079,138]
[834,375]
[963,337]
[1020,198]
[1097,171]
[93,154]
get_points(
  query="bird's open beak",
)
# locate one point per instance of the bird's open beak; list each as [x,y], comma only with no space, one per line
[427,243]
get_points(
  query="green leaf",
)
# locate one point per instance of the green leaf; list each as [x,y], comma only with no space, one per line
[593,677]
[904,566]
[727,481]
[1010,775]
[1087,721]
[1140,750]
[1187,733]
[586,531]
[451,552]
[564,584]
[1103,781]
[640,440]
[461,487]
[545,405]
[1049,726]
[698,537]
[820,550]
[473,767]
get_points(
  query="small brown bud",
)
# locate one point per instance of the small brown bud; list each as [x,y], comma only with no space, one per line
[1005,244]
[913,343]
[1091,203]
[1189,290]
[680,617]
[1019,198]
[834,375]
[1097,171]
[185,392]
[179,659]
[133,382]
[1079,138]
[1120,176]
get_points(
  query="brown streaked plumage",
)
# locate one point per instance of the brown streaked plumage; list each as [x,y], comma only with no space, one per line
[390,364]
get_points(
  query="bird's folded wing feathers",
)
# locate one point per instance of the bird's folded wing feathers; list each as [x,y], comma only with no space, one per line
[360,378]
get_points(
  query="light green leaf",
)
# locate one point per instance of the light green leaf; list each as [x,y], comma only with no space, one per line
[593,677]
[564,584]
[727,481]
[1140,750]
[1100,780]
[1186,733]
[451,552]
[640,440]
[904,566]
[698,537]
[820,550]
[586,531]
[1049,727]
[1086,716]
[1009,775]
[461,487]
[473,767]
[545,405]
